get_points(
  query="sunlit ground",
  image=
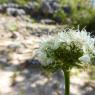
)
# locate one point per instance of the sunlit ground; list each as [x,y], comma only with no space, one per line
[20,74]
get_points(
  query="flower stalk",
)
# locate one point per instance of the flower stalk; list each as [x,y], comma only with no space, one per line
[67,82]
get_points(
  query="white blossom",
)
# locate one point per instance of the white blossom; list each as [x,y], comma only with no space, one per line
[82,40]
[85,58]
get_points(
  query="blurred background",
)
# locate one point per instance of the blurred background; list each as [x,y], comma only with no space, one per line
[23,23]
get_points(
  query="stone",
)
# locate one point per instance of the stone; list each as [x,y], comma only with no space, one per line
[31,8]
[13,47]
[20,12]
[46,8]
[4,61]
[67,9]
[15,12]
[1,9]
[47,21]
[13,36]
[55,6]
[12,5]
[12,12]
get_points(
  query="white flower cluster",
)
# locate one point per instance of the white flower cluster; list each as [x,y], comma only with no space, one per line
[81,38]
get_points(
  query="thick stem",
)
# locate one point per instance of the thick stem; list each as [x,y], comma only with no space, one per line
[67,82]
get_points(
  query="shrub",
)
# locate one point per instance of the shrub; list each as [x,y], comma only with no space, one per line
[22,2]
[59,16]
[3,1]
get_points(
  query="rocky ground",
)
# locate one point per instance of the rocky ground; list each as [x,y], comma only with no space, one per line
[20,73]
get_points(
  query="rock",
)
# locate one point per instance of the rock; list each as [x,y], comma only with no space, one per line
[2,35]
[4,61]
[50,6]
[15,12]
[12,5]
[13,47]
[31,8]
[46,8]
[47,21]
[55,6]
[3,58]
[16,36]
[33,62]
[12,11]
[1,9]
[67,9]
[13,36]
[20,12]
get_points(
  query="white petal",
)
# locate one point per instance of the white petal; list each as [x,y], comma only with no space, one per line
[85,58]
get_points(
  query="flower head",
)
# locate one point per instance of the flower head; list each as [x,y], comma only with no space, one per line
[67,49]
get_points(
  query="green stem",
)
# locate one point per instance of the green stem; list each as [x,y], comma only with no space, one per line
[67,82]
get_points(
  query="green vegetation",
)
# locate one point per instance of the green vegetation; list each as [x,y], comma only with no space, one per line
[22,2]
[82,13]
[60,16]
[92,72]
[3,1]
[72,13]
